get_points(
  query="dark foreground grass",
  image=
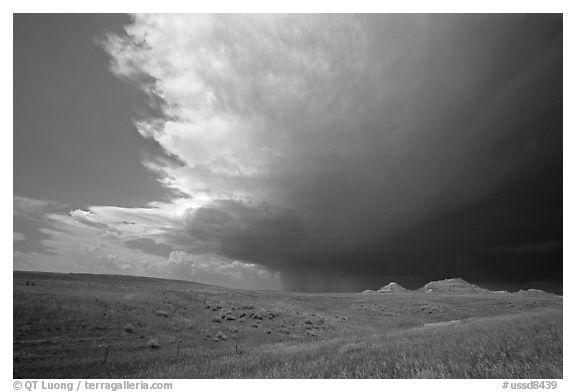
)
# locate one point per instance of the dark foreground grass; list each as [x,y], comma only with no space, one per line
[516,346]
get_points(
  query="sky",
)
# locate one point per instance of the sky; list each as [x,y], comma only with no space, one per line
[305,152]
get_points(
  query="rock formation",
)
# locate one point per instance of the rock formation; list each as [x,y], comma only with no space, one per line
[455,285]
[392,287]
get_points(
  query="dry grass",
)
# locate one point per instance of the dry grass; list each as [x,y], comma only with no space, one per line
[517,346]
[63,324]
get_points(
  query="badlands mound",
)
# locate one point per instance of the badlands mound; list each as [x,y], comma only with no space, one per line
[455,285]
[392,287]
[534,292]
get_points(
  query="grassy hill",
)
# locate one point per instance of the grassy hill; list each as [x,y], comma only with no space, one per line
[98,326]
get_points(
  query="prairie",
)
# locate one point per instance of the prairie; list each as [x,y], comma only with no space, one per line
[101,326]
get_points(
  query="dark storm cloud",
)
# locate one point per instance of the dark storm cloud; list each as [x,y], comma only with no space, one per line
[149,246]
[474,163]
[239,231]
[343,151]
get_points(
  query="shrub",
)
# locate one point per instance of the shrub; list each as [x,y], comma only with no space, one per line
[154,344]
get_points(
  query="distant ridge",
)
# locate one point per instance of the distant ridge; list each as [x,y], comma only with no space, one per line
[453,285]
[392,287]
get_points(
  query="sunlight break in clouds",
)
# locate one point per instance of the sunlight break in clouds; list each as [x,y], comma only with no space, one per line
[96,242]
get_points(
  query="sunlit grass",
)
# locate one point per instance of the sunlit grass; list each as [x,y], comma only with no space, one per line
[517,346]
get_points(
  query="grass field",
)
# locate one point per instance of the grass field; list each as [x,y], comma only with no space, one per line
[95,326]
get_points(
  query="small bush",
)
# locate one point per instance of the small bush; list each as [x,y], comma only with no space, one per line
[154,344]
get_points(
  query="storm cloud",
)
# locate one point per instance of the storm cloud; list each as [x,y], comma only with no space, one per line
[339,152]
[395,145]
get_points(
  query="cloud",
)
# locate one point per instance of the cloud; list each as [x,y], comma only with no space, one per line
[261,234]
[211,268]
[30,209]
[314,150]
[232,87]
[114,240]
[331,143]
